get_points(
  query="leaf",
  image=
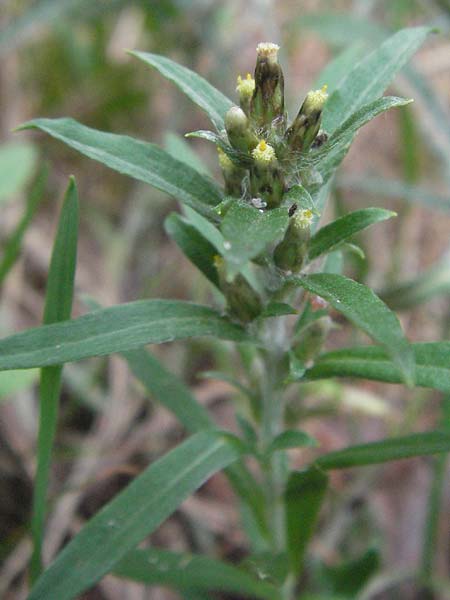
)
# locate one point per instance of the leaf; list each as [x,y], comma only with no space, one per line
[336,70]
[291,438]
[331,154]
[115,329]
[17,163]
[372,75]
[189,571]
[278,309]
[141,160]
[194,245]
[297,194]
[202,93]
[168,390]
[350,577]
[304,495]
[361,306]
[372,362]
[408,446]
[58,307]
[339,28]
[333,234]
[177,147]
[133,514]
[247,232]
[13,244]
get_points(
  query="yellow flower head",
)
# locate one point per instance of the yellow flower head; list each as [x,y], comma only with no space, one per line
[303,218]
[264,153]
[224,160]
[315,100]
[245,87]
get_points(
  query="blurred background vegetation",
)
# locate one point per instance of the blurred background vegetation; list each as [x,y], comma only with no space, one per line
[68,58]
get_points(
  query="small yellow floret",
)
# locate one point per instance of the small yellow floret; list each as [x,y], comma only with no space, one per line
[267,50]
[264,153]
[316,99]
[303,218]
[245,87]
[224,160]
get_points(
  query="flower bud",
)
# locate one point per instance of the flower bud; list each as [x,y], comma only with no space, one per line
[239,131]
[290,253]
[266,178]
[267,102]
[232,174]
[243,302]
[303,131]
[312,340]
[245,88]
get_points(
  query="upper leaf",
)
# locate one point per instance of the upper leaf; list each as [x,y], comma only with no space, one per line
[207,97]
[345,227]
[416,444]
[247,232]
[372,362]
[140,160]
[115,329]
[371,76]
[361,306]
[133,514]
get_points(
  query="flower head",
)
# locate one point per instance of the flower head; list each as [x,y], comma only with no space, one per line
[264,153]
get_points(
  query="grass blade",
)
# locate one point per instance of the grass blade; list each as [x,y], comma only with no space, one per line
[133,514]
[58,307]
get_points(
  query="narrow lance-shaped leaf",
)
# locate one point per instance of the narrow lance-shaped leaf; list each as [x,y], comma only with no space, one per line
[58,307]
[116,329]
[141,160]
[133,514]
[207,97]
[372,362]
[372,75]
[361,306]
[333,234]
[416,444]
[304,495]
[190,571]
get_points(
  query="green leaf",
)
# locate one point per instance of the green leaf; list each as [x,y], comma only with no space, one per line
[331,154]
[141,160]
[291,438]
[202,93]
[12,382]
[115,329]
[372,362]
[194,245]
[168,390]
[298,195]
[372,75]
[247,232]
[361,306]
[133,514]
[278,309]
[408,446]
[304,495]
[17,164]
[333,234]
[189,571]
[350,577]
[58,307]
[337,69]
[13,244]
[177,147]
